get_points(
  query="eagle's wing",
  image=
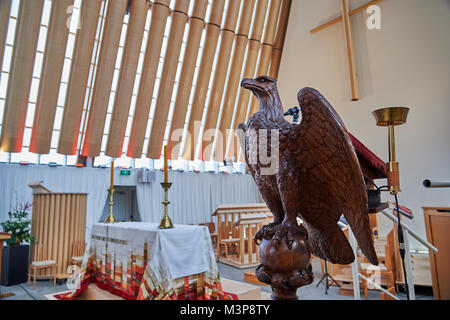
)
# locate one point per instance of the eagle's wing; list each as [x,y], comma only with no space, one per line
[330,180]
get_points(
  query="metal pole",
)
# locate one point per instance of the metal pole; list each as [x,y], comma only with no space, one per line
[410,231]
[376,285]
[391,142]
[355,269]
[326,277]
[409,275]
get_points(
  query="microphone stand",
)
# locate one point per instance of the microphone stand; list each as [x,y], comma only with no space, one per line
[325,277]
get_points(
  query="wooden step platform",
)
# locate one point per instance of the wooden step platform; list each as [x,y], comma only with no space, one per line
[234,261]
[250,276]
[243,290]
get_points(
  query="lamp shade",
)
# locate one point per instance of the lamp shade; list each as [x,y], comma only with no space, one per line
[391,116]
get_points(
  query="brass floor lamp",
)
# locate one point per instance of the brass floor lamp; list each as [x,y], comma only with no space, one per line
[391,117]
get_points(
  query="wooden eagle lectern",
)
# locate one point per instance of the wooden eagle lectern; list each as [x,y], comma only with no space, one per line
[312,173]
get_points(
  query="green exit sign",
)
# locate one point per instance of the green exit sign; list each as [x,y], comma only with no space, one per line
[125,172]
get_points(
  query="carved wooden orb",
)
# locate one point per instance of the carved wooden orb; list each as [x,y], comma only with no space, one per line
[283,268]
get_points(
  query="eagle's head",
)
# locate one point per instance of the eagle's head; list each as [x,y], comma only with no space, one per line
[265,89]
[262,85]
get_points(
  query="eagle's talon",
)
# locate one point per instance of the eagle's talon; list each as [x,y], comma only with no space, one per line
[266,232]
[277,240]
[276,232]
[270,229]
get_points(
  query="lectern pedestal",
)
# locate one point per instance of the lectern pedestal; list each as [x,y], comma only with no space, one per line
[3,237]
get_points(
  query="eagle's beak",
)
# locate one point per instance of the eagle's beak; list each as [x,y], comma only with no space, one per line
[245,83]
[250,84]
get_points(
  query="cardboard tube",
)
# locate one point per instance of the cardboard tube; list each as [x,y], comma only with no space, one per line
[266,47]
[49,83]
[249,71]
[228,33]
[271,26]
[133,43]
[260,18]
[21,72]
[5,10]
[244,94]
[197,24]
[216,15]
[179,19]
[245,18]
[249,68]
[275,62]
[160,12]
[280,38]
[204,75]
[103,77]
[231,92]
[232,86]
[232,15]
[264,61]
[218,87]
[78,78]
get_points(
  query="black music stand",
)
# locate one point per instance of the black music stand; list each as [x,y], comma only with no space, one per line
[325,277]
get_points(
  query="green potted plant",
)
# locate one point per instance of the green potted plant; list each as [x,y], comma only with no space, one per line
[15,254]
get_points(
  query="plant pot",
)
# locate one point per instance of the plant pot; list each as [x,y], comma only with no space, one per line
[15,264]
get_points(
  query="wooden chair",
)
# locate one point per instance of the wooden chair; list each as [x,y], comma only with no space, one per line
[41,261]
[77,252]
[229,240]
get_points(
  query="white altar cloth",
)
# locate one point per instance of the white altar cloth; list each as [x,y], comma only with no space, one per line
[181,251]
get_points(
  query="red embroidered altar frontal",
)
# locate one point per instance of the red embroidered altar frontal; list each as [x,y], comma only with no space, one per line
[138,261]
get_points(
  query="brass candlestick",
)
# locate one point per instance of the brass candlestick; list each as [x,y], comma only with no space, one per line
[166,223]
[111,218]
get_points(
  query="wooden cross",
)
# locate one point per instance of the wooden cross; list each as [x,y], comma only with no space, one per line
[345,18]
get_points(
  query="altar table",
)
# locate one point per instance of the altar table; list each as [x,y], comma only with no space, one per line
[136,260]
